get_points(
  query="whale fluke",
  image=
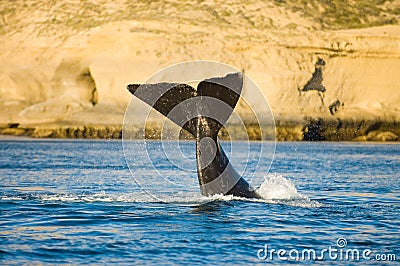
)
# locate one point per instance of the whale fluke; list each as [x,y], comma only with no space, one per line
[202,113]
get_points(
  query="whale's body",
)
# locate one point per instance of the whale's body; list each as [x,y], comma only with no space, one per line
[202,113]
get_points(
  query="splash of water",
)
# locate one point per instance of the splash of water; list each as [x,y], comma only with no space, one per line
[277,187]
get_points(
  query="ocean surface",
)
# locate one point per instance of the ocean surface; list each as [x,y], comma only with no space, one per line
[78,202]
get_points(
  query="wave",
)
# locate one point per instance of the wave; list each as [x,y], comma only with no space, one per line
[275,189]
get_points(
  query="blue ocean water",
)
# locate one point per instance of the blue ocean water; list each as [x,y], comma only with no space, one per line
[76,202]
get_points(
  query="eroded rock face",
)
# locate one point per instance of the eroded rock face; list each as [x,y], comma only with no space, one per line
[79,74]
[53,109]
[24,85]
[71,89]
[72,80]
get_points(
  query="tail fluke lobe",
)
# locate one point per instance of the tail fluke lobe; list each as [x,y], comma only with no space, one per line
[219,97]
[226,89]
[164,97]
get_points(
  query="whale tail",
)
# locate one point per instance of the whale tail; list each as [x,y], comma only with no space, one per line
[214,101]
[202,113]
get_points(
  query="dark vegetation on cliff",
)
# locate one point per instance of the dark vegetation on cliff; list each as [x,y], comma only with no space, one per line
[346,14]
[74,16]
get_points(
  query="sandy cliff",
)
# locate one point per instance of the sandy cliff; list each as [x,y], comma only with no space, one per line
[66,64]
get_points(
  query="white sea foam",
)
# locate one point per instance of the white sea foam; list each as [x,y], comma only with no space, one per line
[278,189]
[275,189]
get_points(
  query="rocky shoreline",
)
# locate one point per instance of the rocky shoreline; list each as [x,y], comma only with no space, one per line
[311,130]
[340,130]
